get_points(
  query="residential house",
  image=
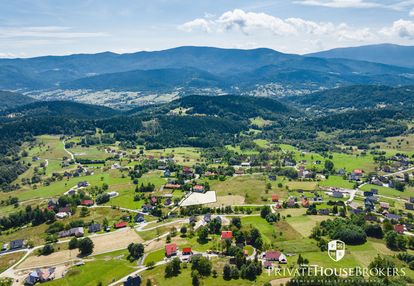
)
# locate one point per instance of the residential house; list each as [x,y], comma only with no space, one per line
[412,200]
[139,218]
[167,173]
[227,235]
[207,217]
[83,184]
[167,202]
[87,203]
[170,249]
[133,281]
[384,205]
[371,218]
[323,212]
[192,219]
[275,198]
[198,189]
[267,265]
[187,251]
[40,276]
[147,208]
[409,206]
[16,244]
[94,227]
[399,228]
[337,194]
[172,186]
[275,256]
[75,231]
[393,217]
[121,224]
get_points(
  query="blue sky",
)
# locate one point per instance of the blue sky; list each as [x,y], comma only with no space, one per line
[57,27]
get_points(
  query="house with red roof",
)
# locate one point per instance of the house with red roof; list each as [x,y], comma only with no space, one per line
[400,228]
[87,203]
[305,203]
[275,256]
[227,234]
[170,249]
[198,189]
[187,251]
[121,224]
[275,198]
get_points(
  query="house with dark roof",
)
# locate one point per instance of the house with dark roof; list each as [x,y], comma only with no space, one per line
[412,200]
[133,281]
[323,212]
[95,227]
[393,217]
[147,208]
[170,249]
[207,217]
[409,206]
[139,218]
[75,231]
[16,244]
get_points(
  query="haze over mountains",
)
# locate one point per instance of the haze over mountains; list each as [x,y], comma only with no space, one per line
[118,80]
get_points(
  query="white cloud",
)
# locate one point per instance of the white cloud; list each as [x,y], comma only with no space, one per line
[197,24]
[400,28]
[55,32]
[250,23]
[412,12]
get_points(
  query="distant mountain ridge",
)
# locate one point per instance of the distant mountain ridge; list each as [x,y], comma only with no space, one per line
[191,70]
[384,53]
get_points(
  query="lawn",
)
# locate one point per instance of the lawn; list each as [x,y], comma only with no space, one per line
[250,187]
[8,260]
[185,156]
[155,256]
[388,192]
[336,181]
[126,190]
[57,188]
[348,162]
[91,152]
[156,275]
[304,223]
[102,270]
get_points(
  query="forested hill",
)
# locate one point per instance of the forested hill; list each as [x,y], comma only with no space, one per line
[67,109]
[360,96]
[11,99]
[243,107]
[148,80]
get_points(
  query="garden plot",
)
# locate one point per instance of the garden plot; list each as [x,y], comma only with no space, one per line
[200,199]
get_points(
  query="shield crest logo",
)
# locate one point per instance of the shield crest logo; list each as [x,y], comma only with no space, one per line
[336,250]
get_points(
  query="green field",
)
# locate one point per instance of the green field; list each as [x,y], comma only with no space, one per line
[336,181]
[104,268]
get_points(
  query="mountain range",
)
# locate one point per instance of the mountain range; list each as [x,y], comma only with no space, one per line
[203,70]
[205,67]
